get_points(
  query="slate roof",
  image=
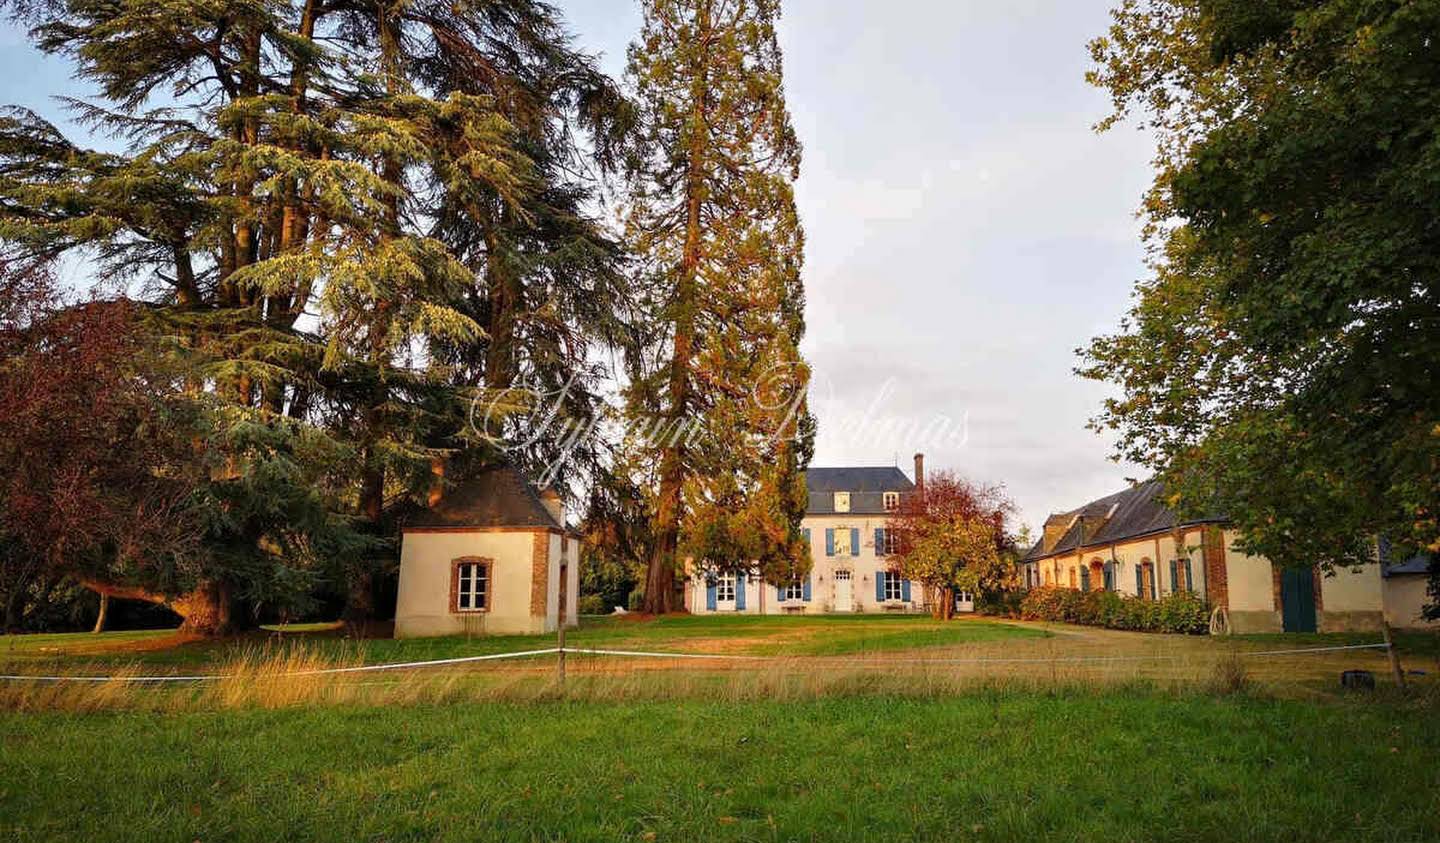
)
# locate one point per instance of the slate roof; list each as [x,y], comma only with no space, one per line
[866,486]
[499,496]
[1135,512]
[1414,565]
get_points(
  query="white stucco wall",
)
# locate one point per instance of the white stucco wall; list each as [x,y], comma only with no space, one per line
[423,603]
[1404,598]
[1352,590]
[1250,580]
[760,598]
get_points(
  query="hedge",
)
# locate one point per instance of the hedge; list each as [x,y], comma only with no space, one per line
[1184,612]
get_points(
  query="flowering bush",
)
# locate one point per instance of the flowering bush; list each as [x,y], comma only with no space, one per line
[1183,613]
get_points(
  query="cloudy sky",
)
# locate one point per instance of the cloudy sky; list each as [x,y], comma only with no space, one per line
[966,228]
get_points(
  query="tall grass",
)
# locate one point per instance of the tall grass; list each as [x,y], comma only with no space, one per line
[271,677]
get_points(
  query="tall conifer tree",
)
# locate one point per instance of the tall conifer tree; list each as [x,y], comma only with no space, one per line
[715,225]
[297,196]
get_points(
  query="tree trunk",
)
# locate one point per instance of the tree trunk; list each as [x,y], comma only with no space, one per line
[104,611]
[14,601]
[945,609]
[660,576]
[359,597]
[207,611]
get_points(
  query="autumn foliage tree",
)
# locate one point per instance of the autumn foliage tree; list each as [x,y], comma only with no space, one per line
[952,535]
[1280,363]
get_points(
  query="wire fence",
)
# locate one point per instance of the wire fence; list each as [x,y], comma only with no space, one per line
[712,657]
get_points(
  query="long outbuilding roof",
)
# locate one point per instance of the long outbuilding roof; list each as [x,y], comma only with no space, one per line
[1129,514]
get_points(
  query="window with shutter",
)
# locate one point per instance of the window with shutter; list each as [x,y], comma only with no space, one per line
[894,586]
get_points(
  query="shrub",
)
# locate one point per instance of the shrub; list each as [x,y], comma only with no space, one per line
[637,600]
[593,604]
[1004,604]
[1178,613]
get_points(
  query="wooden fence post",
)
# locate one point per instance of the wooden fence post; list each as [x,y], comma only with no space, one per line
[1394,656]
[560,660]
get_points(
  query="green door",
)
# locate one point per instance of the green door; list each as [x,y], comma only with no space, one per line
[1297,598]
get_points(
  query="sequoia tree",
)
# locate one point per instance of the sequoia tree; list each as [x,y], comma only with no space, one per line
[1280,363]
[716,231]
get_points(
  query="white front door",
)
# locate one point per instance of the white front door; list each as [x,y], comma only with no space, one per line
[725,593]
[844,597]
[964,601]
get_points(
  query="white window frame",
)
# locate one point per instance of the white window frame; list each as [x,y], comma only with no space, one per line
[891,500]
[722,583]
[890,542]
[842,541]
[894,587]
[472,591]
[793,591]
[842,501]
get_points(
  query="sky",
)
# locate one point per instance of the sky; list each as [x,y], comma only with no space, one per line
[966,228]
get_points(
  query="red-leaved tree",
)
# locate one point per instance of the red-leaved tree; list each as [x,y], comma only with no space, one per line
[952,535]
[95,468]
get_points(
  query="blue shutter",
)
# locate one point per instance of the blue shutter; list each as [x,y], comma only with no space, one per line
[779,594]
[905,590]
[1139,582]
[739,592]
[880,587]
[1174,577]
[1109,572]
[710,596]
[1189,578]
[879,541]
[1084,578]
[806,533]
[854,541]
[829,541]
[1154,582]
[805,589]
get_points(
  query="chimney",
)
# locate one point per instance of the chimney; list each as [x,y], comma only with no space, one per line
[919,472]
[554,504]
[437,480]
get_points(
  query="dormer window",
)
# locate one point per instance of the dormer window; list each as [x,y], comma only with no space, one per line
[892,501]
[842,501]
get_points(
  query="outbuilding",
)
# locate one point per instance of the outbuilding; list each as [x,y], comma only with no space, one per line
[492,555]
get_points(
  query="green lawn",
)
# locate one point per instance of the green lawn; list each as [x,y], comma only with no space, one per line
[1424,646]
[742,634]
[987,766]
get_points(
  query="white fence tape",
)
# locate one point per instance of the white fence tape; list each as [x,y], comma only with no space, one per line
[876,660]
[203,677]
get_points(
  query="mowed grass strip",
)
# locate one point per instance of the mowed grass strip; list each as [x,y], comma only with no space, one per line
[741,634]
[996,766]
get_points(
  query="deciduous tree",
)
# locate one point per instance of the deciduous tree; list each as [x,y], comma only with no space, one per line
[952,535]
[1279,364]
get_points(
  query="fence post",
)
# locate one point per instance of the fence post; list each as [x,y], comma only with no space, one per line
[560,656]
[1394,656]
